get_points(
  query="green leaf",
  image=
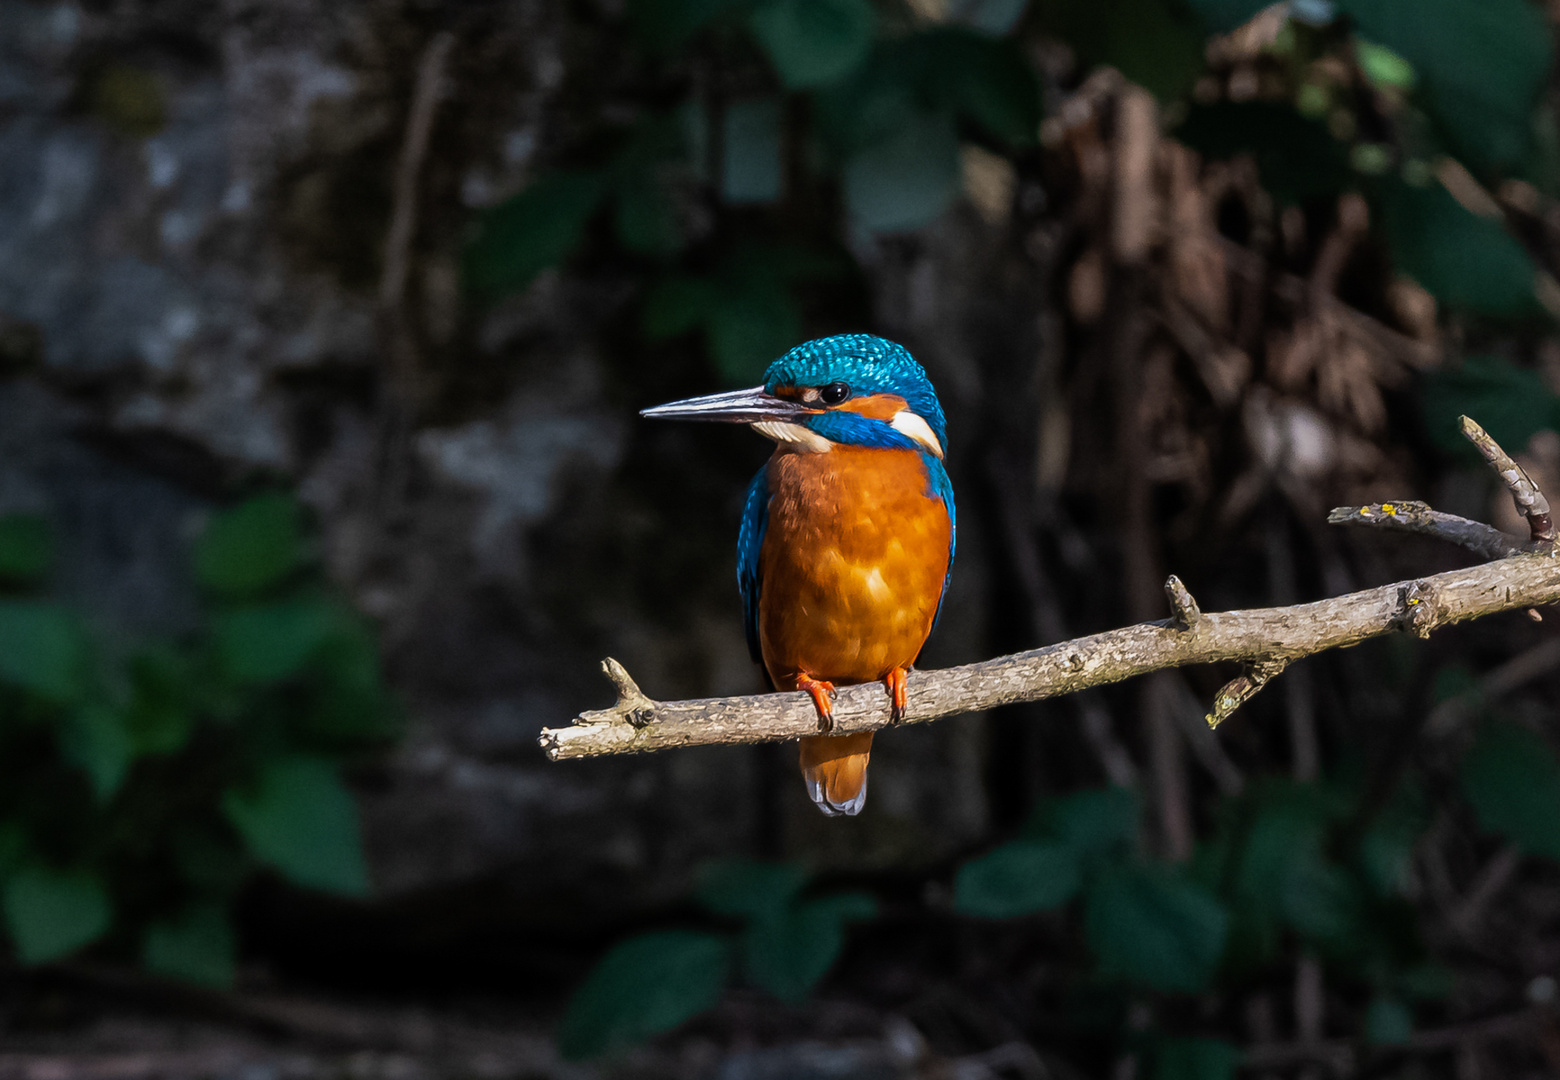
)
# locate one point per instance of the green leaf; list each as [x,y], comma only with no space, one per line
[351,702]
[1382,66]
[1512,779]
[750,326]
[1462,259]
[1095,822]
[1018,878]
[1196,1059]
[644,986]
[1323,902]
[1482,65]
[751,167]
[1146,40]
[13,846]
[538,228]
[251,548]
[51,914]
[1388,1022]
[789,952]
[197,947]
[1222,16]
[813,42]
[269,643]
[161,715]
[94,739]
[749,889]
[1153,929]
[1386,850]
[677,305]
[1511,403]
[646,219]
[41,650]
[26,549]
[1275,827]
[301,820]
[905,180]
[663,25]
[989,82]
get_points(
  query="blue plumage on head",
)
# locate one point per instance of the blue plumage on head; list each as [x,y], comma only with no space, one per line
[869,365]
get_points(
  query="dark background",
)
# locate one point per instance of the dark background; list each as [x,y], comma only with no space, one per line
[1183,280]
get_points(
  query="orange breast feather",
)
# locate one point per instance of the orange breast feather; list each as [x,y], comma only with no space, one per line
[852,566]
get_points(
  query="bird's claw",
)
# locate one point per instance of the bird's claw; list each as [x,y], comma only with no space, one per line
[822,694]
[898,698]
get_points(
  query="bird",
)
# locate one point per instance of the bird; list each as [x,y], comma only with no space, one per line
[848,532]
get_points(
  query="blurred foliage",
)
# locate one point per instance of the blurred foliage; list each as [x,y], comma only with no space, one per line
[1290,864]
[141,787]
[783,940]
[850,117]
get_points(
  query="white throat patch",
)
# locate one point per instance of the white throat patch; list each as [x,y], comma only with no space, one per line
[913,427]
[802,439]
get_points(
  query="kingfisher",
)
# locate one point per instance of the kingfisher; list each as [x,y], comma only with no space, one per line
[847,536]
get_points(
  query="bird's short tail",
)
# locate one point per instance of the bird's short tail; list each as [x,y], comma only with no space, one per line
[834,768]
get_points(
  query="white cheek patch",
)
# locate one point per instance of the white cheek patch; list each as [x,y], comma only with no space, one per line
[802,438]
[913,427]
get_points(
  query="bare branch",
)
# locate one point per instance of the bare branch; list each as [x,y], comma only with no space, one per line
[1531,503]
[427,92]
[1417,517]
[1267,640]
[1256,636]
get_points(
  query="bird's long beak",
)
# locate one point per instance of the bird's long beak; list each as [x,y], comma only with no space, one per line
[737,407]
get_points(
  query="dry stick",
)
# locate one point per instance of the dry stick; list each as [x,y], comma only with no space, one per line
[426,94]
[1417,517]
[1494,876]
[1267,639]
[1531,503]
[396,336]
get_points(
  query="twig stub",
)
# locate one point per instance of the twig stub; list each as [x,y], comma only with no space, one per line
[1241,689]
[1183,607]
[1530,501]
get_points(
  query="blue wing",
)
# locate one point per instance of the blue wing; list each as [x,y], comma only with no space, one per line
[940,487]
[755,520]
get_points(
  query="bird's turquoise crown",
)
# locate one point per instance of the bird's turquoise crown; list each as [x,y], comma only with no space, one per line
[868,365]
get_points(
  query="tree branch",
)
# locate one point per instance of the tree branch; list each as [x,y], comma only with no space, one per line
[1266,640]
[1260,636]
[1417,517]
[1531,503]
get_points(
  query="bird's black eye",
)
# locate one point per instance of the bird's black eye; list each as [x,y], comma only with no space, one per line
[834,393]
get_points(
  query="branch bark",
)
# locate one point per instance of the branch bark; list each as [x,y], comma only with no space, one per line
[1417,517]
[1265,640]
[1260,637]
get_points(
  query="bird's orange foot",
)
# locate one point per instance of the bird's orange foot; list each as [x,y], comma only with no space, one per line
[898,701]
[822,694]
